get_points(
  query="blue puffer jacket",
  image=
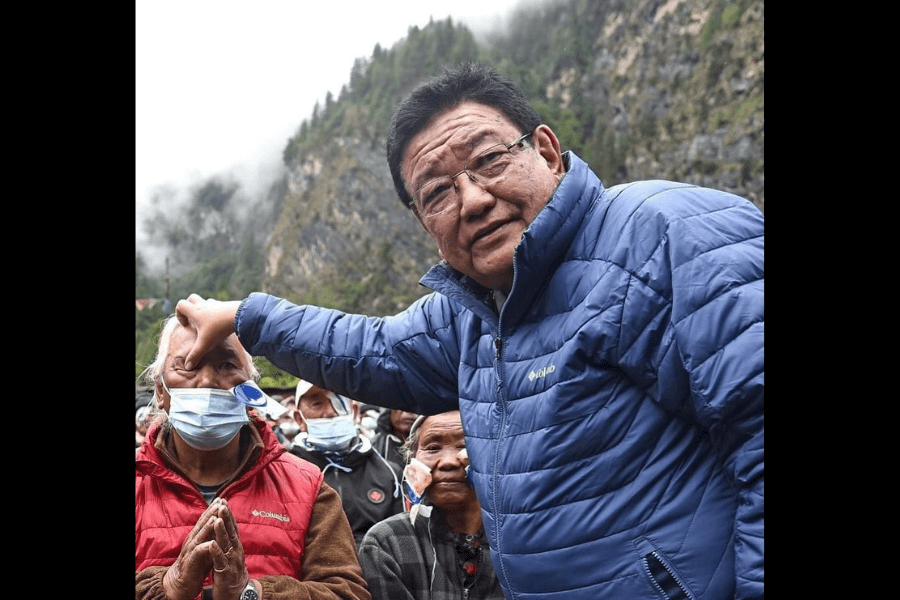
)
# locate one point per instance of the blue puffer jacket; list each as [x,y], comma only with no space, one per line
[613,410]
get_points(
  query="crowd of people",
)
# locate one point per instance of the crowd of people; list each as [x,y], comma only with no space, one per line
[575,412]
[227,460]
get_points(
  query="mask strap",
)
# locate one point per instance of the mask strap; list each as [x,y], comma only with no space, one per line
[162,378]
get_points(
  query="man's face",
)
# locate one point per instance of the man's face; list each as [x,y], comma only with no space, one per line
[222,368]
[401,421]
[315,404]
[440,441]
[479,237]
[288,416]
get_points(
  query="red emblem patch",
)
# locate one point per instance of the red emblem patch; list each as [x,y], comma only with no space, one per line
[376,496]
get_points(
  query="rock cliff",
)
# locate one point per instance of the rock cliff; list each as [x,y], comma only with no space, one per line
[648,89]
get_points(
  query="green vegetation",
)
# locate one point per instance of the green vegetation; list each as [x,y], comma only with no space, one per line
[525,52]
[377,85]
[212,251]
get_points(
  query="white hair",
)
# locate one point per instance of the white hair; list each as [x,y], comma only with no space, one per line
[154,370]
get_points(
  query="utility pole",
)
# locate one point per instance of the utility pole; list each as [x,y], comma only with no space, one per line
[167,304]
[167,278]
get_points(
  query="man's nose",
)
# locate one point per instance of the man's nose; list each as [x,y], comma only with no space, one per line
[473,197]
[208,377]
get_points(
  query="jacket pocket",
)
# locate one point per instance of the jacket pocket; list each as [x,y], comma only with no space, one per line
[662,575]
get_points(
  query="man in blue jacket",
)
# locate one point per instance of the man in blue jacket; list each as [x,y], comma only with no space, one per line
[604,347]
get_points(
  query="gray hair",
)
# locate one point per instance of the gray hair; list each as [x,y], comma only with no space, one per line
[409,447]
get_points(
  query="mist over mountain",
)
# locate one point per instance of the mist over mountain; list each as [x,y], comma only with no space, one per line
[640,89]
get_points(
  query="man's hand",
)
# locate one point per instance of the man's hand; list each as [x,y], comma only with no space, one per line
[211,319]
[230,574]
[184,579]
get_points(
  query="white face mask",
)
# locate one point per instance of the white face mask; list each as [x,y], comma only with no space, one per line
[289,428]
[205,418]
[335,434]
[330,435]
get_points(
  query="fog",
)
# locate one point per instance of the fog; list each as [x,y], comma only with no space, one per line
[222,85]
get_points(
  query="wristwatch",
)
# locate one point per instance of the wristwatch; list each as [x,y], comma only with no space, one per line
[249,592]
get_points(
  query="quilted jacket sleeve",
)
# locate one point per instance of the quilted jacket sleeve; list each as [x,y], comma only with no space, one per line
[704,257]
[717,262]
[406,361]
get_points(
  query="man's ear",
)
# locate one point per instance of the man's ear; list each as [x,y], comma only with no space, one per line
[159,392]
[295,414]
[547,145]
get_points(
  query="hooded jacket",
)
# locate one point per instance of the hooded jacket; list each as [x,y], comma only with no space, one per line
[386,442]
[613,408]
[369,486]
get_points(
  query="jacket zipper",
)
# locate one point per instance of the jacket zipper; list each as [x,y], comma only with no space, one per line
[500,568]
[664,578]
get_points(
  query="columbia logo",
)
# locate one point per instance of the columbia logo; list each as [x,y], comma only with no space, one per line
[541,372]
[270,515]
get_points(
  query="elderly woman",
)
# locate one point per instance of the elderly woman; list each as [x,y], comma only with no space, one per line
[438,550]
[221,511]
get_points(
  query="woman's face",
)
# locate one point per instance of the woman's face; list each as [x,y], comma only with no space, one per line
[440,443]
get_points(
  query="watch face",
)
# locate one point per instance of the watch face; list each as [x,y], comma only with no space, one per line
[250,594]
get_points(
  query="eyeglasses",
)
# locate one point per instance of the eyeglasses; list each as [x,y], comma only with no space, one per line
[441,194]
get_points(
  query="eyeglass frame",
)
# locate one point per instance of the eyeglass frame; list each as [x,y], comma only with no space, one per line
[465,170]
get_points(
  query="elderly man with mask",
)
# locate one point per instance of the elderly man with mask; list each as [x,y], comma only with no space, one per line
[221,510]
[369,485]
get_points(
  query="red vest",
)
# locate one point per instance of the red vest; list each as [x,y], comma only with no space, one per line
[271,502]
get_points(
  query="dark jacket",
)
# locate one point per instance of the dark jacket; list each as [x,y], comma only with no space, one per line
[386,443]
[367,484]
